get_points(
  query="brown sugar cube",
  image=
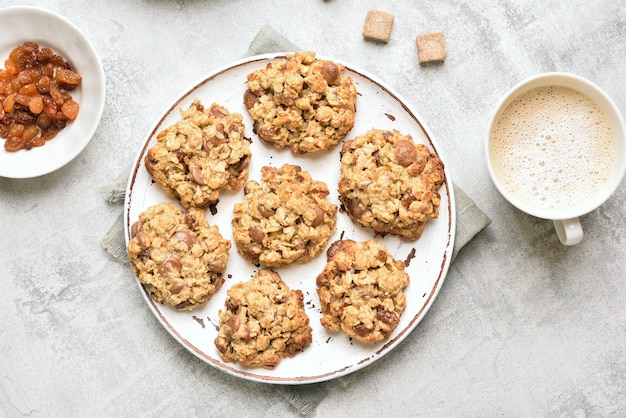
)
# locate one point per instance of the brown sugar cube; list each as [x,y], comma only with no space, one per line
[378,26]
[431,47]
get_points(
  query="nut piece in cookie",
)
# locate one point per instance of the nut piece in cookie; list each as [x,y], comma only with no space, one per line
[284,219]
[389,183]
[301,103]
[361,290]
[378,26]
[431,47]
[264,321]
[178,256]
[200,155]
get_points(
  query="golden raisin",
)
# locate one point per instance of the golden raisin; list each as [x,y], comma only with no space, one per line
[30,132]
[28,89]
[55,93]
[22,99]
[16,130]
[67,77]
[14,143]
[16,54]
[38,141]
[70,109]
[10,67]
[35,105]
[9,103]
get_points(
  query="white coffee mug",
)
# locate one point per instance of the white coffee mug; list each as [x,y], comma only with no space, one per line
[556,150]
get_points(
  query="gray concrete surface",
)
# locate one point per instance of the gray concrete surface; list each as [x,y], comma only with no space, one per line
[523,326]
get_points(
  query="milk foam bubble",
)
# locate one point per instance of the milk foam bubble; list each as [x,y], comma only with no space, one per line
[552,147]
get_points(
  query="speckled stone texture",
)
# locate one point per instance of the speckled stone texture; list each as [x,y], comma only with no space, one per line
[523,326]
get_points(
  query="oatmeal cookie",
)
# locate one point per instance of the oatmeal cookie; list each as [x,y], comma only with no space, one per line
[389,183]
[178,256]
[264,321]
[361,290]
[200,155]
[302,103]
[284,219]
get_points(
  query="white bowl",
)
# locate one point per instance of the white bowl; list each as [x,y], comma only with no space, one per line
[21,24]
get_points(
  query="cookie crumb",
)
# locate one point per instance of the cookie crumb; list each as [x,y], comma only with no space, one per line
[431,47]
[378,26]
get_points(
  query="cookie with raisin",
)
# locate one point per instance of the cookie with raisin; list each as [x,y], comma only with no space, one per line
[178,257]
[200,155]
[285,218]
[390,183]
[301,102]
[361,290]
[263,322]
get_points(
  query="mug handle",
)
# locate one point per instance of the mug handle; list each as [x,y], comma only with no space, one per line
[569,231]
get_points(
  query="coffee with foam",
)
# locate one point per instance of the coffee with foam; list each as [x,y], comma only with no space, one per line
[552,147]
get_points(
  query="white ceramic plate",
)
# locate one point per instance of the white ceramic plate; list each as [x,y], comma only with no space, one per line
[21,24]
[332,354]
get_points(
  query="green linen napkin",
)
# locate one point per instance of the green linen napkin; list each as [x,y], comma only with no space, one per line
[304,398]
